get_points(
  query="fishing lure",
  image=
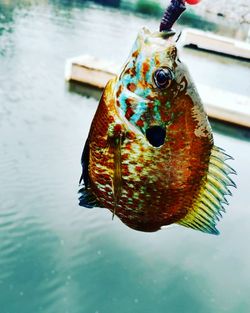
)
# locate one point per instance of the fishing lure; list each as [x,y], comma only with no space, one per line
[149,156]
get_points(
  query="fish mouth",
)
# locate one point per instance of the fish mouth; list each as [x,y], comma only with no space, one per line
[156,135]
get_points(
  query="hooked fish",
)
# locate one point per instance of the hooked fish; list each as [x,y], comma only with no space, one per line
[150,157]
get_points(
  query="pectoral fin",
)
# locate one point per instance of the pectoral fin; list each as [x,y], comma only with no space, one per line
[117,178]
[115,146]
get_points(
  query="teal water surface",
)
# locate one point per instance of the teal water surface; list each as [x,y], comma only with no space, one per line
[58,257]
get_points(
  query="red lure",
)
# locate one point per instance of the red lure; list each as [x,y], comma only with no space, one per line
[192,2]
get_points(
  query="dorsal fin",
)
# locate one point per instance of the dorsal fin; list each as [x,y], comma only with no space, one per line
[207,207]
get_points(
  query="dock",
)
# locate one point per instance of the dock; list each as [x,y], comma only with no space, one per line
[215,43]
[219,104]
[89,70]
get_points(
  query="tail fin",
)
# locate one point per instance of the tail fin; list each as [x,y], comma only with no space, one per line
[207,207]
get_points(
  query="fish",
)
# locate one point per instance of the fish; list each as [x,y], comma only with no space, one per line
[150,156]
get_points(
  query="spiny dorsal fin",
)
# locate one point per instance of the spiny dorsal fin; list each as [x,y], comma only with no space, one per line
[207,207]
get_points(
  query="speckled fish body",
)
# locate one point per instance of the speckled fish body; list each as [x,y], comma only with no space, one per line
[150,156]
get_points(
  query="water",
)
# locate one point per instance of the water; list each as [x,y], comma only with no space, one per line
[58,257]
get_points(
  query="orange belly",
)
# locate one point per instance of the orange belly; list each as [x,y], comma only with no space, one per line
[158,185]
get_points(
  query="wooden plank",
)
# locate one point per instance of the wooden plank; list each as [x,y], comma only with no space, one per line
[90,70]
[219,44]
[225,106]
[219,104]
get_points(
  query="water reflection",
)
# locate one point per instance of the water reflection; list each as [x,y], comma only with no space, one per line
[196,21]
[115,3]
[231,130]
[58,257]
[84,90]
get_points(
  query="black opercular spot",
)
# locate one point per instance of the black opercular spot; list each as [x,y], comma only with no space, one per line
[156,135]
[163,77]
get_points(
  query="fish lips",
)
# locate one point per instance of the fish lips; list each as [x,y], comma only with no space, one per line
[156,135]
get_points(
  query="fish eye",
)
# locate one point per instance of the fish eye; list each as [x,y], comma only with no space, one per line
[163,77]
